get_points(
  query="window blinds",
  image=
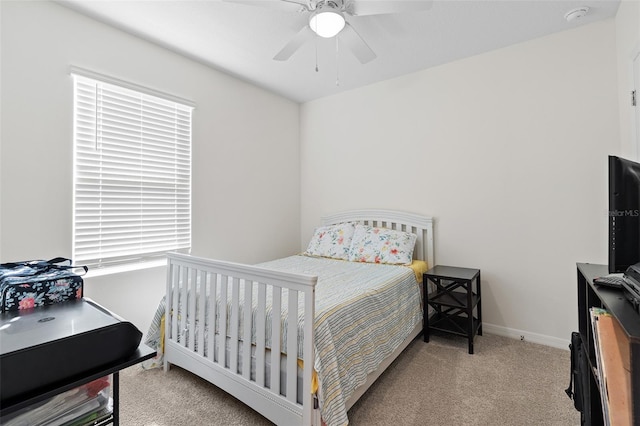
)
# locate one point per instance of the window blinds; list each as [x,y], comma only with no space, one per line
[132,174]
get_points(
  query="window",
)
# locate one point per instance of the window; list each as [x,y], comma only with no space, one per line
[132,173]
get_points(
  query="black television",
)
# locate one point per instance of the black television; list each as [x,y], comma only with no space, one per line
[624,213]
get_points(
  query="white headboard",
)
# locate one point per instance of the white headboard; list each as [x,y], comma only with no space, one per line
[422,226]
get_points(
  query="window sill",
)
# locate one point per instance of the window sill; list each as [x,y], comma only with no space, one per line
[110,270]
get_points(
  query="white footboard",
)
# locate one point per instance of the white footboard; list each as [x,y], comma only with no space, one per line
[196,293]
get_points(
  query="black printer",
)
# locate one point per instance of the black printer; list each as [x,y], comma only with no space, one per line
[43,347]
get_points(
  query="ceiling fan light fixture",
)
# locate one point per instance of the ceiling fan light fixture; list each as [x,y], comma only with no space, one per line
[327,23]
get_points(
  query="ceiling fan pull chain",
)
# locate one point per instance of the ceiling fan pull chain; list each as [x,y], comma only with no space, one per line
[316,40]
[337,66]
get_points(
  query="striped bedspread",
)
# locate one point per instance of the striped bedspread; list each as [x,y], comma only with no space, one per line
[363,312]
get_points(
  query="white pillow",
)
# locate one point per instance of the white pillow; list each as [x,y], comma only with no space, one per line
[332,241]
[382,245]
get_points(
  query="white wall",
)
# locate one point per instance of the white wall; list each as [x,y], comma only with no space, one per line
[507,150]
[628,46]
[245,149]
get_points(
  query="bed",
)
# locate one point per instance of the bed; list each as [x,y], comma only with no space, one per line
[343,318]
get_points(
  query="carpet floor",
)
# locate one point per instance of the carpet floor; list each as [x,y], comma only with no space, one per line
[506,382]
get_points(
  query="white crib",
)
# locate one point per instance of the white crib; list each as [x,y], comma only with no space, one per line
[237,365]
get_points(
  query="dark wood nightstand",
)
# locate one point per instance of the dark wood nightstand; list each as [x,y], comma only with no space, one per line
[454,301]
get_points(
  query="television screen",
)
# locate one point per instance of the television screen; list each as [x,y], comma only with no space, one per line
[624,213]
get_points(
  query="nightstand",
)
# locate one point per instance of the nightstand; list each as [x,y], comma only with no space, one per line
[454,301]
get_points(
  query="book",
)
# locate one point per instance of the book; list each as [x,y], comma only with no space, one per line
[612,356]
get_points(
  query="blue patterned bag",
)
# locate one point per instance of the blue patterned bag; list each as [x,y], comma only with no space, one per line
[31,284]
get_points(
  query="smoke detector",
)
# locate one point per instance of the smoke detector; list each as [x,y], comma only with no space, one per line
[577,13]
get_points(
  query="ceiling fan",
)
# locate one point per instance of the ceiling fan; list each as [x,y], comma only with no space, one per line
[328,18]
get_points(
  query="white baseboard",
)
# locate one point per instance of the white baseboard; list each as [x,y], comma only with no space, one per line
[527,335]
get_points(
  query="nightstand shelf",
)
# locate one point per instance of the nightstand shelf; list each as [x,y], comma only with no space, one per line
[456,300]
[452,324]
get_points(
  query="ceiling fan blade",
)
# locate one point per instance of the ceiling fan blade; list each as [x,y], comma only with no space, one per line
[283,5]
[350,37]
[383,7]
[304,35]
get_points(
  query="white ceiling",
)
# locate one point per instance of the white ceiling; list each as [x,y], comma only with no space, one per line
[241,40]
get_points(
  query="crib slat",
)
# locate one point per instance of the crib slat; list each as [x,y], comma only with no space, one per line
[191,309]
[222,329]
[246,332]
[261,334]
[292,346]
[212,281]
[276,331]
[183,302]
[235,307]
[308,355]
[175,292]
[168,301]
[202,298]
